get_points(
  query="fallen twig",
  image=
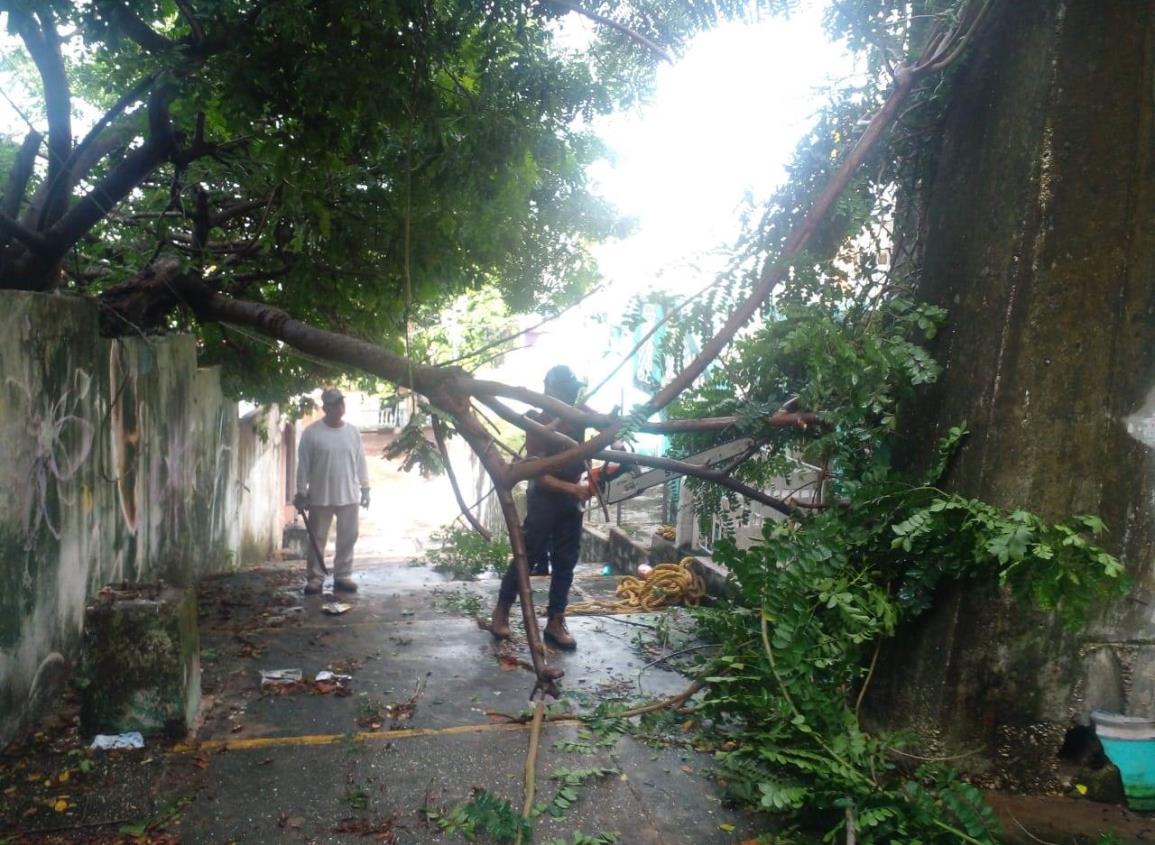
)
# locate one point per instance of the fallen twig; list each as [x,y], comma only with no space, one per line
[531,760]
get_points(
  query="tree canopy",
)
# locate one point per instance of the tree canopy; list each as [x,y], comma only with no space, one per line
[354,163]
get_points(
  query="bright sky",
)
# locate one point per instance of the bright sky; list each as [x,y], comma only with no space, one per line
[723,122]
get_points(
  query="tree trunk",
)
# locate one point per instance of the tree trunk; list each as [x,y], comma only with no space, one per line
[1039,238]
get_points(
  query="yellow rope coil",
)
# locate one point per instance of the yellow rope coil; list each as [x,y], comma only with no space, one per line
[668,584]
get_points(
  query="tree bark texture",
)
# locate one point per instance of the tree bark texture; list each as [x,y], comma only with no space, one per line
[1039,239]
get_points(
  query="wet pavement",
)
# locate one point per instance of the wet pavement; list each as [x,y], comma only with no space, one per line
[423,721]
[426,722]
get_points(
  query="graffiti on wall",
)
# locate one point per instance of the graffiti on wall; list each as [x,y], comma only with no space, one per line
[61,441]
[124,431]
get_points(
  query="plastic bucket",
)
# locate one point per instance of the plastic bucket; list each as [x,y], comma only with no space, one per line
[1129,743]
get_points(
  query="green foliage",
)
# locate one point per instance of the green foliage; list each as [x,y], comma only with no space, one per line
[605,723]
[815,598]
[485,814]
[463,554]
[357,164]
[1051,566]
[588,742]
[580,838]
[568,793]
[415,450]
[355,797]
[460,601]
[478,320]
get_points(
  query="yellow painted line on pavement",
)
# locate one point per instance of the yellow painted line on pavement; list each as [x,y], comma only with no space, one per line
[331,739]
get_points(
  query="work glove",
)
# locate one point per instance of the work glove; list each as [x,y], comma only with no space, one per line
[364,497]
[300,501]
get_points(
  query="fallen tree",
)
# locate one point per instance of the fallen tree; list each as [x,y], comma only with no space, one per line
[168,285]
[452,390]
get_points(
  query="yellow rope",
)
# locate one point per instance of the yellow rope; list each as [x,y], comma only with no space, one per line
[668,584]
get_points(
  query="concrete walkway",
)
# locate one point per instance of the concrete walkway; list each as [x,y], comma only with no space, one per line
[415,731]
[418,733]
[421,725]
[412,734]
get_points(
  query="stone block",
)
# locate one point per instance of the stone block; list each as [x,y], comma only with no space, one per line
[663,550]
[141,664]
[295,541]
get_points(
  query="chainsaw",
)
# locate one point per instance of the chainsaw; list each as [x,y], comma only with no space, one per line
[619,482]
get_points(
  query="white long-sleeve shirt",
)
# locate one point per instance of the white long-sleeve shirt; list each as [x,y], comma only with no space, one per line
[331,467]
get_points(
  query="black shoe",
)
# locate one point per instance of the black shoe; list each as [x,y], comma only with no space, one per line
[313,589]
[345,585]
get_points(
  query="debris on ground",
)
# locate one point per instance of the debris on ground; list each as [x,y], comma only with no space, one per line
[336,608]
[117,742]
[280,680]
[330,682]
[375,713]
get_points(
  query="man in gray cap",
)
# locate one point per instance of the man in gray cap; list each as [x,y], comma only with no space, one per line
[553,521]
[332,480]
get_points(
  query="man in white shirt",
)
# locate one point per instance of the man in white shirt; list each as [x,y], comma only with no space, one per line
[332,480]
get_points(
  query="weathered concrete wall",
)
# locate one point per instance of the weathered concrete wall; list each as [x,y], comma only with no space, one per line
[1040,241]
[119,462]
[261,468]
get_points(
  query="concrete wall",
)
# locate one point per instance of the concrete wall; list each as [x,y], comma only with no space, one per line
[261,472]
[119,461]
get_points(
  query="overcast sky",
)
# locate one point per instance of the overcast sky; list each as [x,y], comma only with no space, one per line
[723,122]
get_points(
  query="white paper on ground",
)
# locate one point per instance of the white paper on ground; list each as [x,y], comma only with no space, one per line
[112,742]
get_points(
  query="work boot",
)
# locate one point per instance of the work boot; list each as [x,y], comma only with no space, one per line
[557,634]
[313,588]
[499,623]
[345,585]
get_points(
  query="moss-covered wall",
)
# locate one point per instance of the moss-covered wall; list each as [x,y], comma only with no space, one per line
[118,459]
[1040,241]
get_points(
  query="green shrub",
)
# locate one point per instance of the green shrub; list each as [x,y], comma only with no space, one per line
[463,554]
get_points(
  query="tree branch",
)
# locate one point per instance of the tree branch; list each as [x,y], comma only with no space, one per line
[239,210]
[33,240]
[136,29]
[133,170]
[439,436]
[18,176]
[697,471]
[189,15]
[533,467]
[214,307]
[637,37]
[129,97]
[775,271]
[43,45]
[779,420]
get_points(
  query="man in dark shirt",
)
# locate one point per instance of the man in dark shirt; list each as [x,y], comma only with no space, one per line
[553,520]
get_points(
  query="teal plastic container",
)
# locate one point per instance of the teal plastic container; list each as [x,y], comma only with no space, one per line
[1129,743]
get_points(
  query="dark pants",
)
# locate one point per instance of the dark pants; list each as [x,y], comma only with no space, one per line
[553,531]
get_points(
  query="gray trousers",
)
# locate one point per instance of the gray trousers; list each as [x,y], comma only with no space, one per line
[348,521]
